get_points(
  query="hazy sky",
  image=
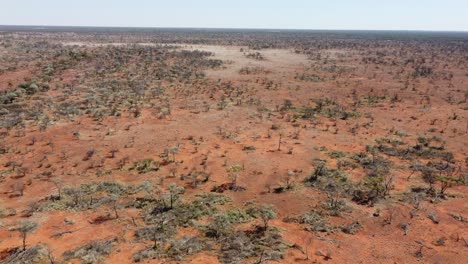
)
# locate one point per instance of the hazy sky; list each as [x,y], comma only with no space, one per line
[293,14]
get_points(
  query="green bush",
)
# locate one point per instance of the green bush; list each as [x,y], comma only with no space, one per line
[328,179]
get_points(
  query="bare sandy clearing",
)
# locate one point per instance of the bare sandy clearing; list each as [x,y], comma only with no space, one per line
[276,60]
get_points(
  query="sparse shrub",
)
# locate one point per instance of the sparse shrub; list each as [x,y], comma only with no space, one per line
[25,228]
[159,233]
[334,205]
[327,179]
[264,246]
[264,212]
[459,217]
[145,166]
[233,174]
[315,221]
[249,148]
[32,255]
[186,246]
[336,154]
[352,228]
[93,252]
[219,227]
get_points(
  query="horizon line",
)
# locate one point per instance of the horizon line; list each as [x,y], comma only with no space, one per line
[236,28]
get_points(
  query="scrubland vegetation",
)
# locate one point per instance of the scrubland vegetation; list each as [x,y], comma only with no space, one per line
[233,147]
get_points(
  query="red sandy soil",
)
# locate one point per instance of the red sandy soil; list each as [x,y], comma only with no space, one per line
[374,243]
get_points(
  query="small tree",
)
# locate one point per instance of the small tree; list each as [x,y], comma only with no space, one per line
[233,174]
[289,179]
[428,176]
[50,256]
[279,141]
[158,233]
[115,204]
[174,150]
[265,213]
[77,195]
[194,178]
[58,184]
[25,227]
[446,182]
[174,194]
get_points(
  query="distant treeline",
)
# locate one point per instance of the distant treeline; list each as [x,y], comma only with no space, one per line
[311,34]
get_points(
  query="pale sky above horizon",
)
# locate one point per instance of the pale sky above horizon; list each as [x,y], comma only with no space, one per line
[445,15]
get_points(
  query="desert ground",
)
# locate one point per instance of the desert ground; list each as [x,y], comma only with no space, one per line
[233,147]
